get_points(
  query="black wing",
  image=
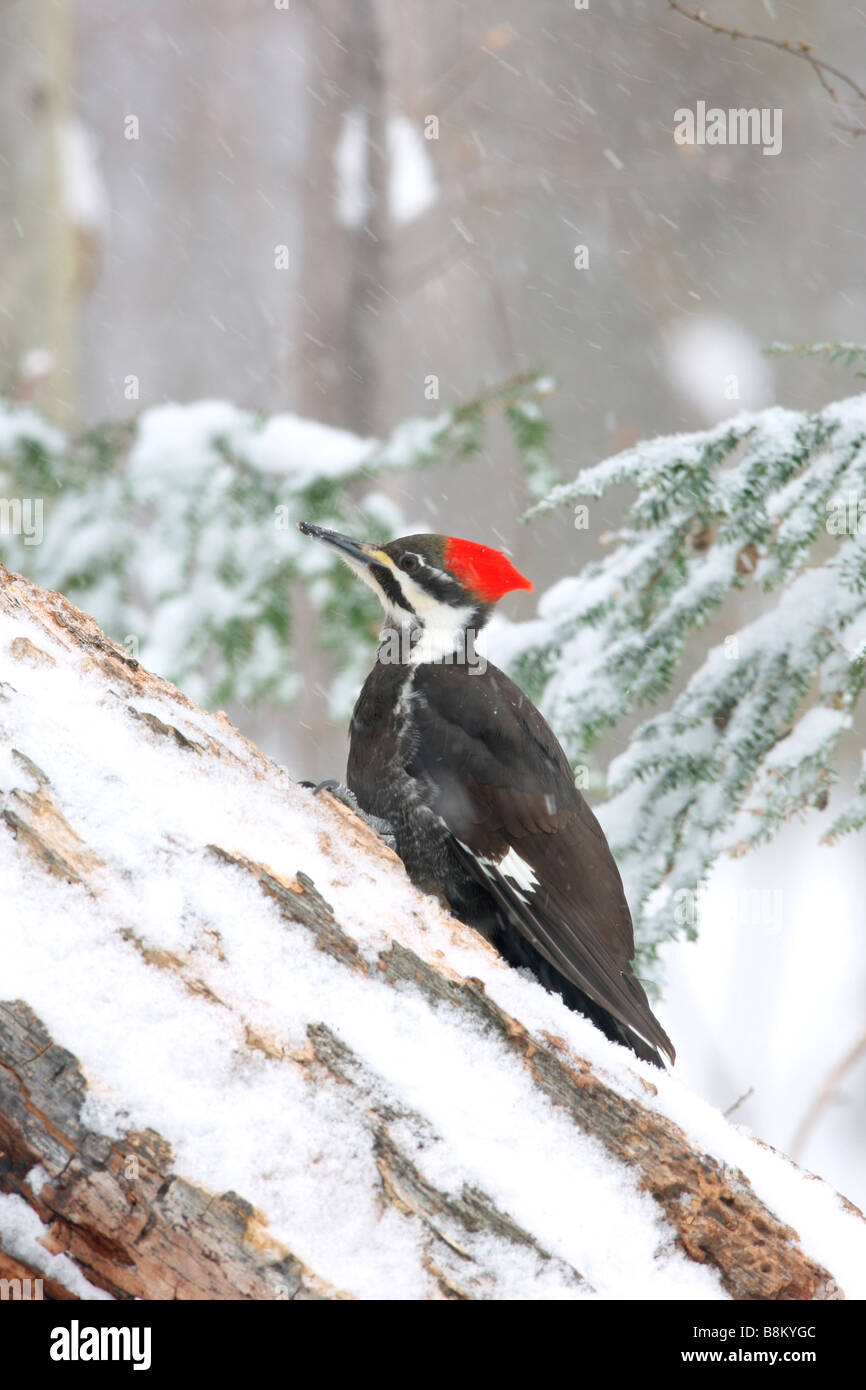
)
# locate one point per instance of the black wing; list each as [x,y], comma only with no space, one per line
[504,787]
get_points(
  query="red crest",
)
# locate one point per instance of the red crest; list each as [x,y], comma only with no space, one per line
[480,568]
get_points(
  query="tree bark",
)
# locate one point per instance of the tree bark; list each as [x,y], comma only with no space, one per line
[137,1228]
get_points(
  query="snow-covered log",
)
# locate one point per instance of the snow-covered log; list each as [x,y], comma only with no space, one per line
[241,1056]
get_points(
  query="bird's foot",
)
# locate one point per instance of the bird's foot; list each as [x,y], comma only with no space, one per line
[380,827]
[331,785]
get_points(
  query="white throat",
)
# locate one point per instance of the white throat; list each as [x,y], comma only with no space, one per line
[437,630]
[437,642]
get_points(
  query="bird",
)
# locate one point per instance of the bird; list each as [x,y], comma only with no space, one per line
[479,795]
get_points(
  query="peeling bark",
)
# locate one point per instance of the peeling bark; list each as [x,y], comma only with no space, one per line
[116,1208]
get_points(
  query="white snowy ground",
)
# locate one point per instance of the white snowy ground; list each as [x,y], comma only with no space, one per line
[157,1057]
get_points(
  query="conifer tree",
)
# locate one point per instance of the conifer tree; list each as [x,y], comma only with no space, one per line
[774,502]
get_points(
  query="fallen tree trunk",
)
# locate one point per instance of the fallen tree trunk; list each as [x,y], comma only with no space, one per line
[392,1169]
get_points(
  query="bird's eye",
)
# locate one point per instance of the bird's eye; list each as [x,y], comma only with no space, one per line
[409,563]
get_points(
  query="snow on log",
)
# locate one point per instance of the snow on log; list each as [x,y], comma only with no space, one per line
[242,1057]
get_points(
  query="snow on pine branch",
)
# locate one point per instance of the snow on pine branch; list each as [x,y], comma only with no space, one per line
[177,530]
[773,500]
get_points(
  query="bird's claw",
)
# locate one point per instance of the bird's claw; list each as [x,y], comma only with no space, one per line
[382,828]
[337,790]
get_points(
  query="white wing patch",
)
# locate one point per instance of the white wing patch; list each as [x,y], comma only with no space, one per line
[520,875]
[517,869]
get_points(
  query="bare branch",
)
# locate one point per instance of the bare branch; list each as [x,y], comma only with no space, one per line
[738,1102]
[797,49]
[829,1087]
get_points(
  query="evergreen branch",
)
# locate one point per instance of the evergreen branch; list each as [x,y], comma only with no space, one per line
[853,817]
[831,351]
[177,529]
[750,740]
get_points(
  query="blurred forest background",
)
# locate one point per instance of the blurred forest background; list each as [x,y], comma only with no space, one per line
[318,206]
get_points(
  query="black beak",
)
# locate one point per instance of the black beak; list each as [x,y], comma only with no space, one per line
[358,551]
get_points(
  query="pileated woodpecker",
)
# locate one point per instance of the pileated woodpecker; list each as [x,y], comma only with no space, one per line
[478,792]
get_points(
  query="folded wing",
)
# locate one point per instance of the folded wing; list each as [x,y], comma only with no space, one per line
[505,789]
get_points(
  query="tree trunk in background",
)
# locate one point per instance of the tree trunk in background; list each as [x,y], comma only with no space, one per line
[37,241]
[340,341]
[367,287]
[341,350]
